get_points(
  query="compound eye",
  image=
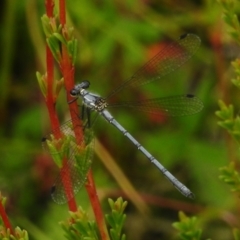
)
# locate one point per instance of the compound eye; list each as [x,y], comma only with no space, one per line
[74,92]
[85,84]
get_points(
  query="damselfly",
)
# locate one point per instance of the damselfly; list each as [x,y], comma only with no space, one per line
[171,57]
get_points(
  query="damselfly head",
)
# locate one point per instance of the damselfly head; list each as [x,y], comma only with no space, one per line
[77,88]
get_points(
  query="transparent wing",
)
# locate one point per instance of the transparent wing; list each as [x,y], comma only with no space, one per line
[174,106]
[78,159]
[166,61]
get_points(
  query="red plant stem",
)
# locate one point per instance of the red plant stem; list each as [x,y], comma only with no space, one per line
[62,12]
[49,5]
[51,103]
[5,218]
[67,69]
[92,193]
[50,99]
[68,74]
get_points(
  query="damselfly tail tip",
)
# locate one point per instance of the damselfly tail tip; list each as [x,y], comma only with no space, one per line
[191,195]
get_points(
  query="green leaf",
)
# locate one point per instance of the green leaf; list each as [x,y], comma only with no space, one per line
[54,46]
[226,112]
[42,83]
[47,28]
[228,124]
[60,38]
[59,86]
[72,47]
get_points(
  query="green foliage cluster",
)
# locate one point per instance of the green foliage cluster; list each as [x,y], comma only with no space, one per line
[19,234]
[230,174]
[117,218]
[5,233]
[230,16]
[188,228]
[80,227]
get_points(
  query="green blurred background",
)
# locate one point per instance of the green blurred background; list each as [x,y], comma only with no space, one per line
[115,39]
